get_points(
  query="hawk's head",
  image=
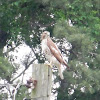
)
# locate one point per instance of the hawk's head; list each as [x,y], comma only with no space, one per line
[45,34]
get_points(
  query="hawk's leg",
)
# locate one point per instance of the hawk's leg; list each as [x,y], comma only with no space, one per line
[49,64]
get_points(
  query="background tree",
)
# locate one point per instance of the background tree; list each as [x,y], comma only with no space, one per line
[84,55]
[77,21]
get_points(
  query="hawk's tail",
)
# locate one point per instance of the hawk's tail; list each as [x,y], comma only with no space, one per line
[60,72]
[66,64]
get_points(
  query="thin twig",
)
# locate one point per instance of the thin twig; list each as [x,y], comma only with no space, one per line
[16,89]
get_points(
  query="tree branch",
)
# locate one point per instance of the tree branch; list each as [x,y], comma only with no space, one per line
[23,70]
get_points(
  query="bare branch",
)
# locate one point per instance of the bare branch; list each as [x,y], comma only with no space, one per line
[23,70]
[16,89]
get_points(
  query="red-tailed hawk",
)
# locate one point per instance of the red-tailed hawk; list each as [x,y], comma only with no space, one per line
[52,53]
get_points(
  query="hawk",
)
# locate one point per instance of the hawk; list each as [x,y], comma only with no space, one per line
[52,53]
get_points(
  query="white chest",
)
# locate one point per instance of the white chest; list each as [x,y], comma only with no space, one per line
[47,52]
[44,45]
[45,49]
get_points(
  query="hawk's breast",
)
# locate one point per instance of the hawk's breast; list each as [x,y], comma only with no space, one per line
[45,49]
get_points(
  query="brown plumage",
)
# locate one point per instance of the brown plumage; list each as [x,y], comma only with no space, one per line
[58,56]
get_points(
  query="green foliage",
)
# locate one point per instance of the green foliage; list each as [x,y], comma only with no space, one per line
[82,13]
[83,60]
[23,16]
[22,93]
[6,69]
[3,96]
[20,19]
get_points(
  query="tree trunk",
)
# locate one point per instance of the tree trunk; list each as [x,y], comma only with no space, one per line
[43,74]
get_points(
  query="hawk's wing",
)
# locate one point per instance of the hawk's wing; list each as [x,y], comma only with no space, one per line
[54,50]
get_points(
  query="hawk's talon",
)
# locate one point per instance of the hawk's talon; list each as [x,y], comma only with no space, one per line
[49,65]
